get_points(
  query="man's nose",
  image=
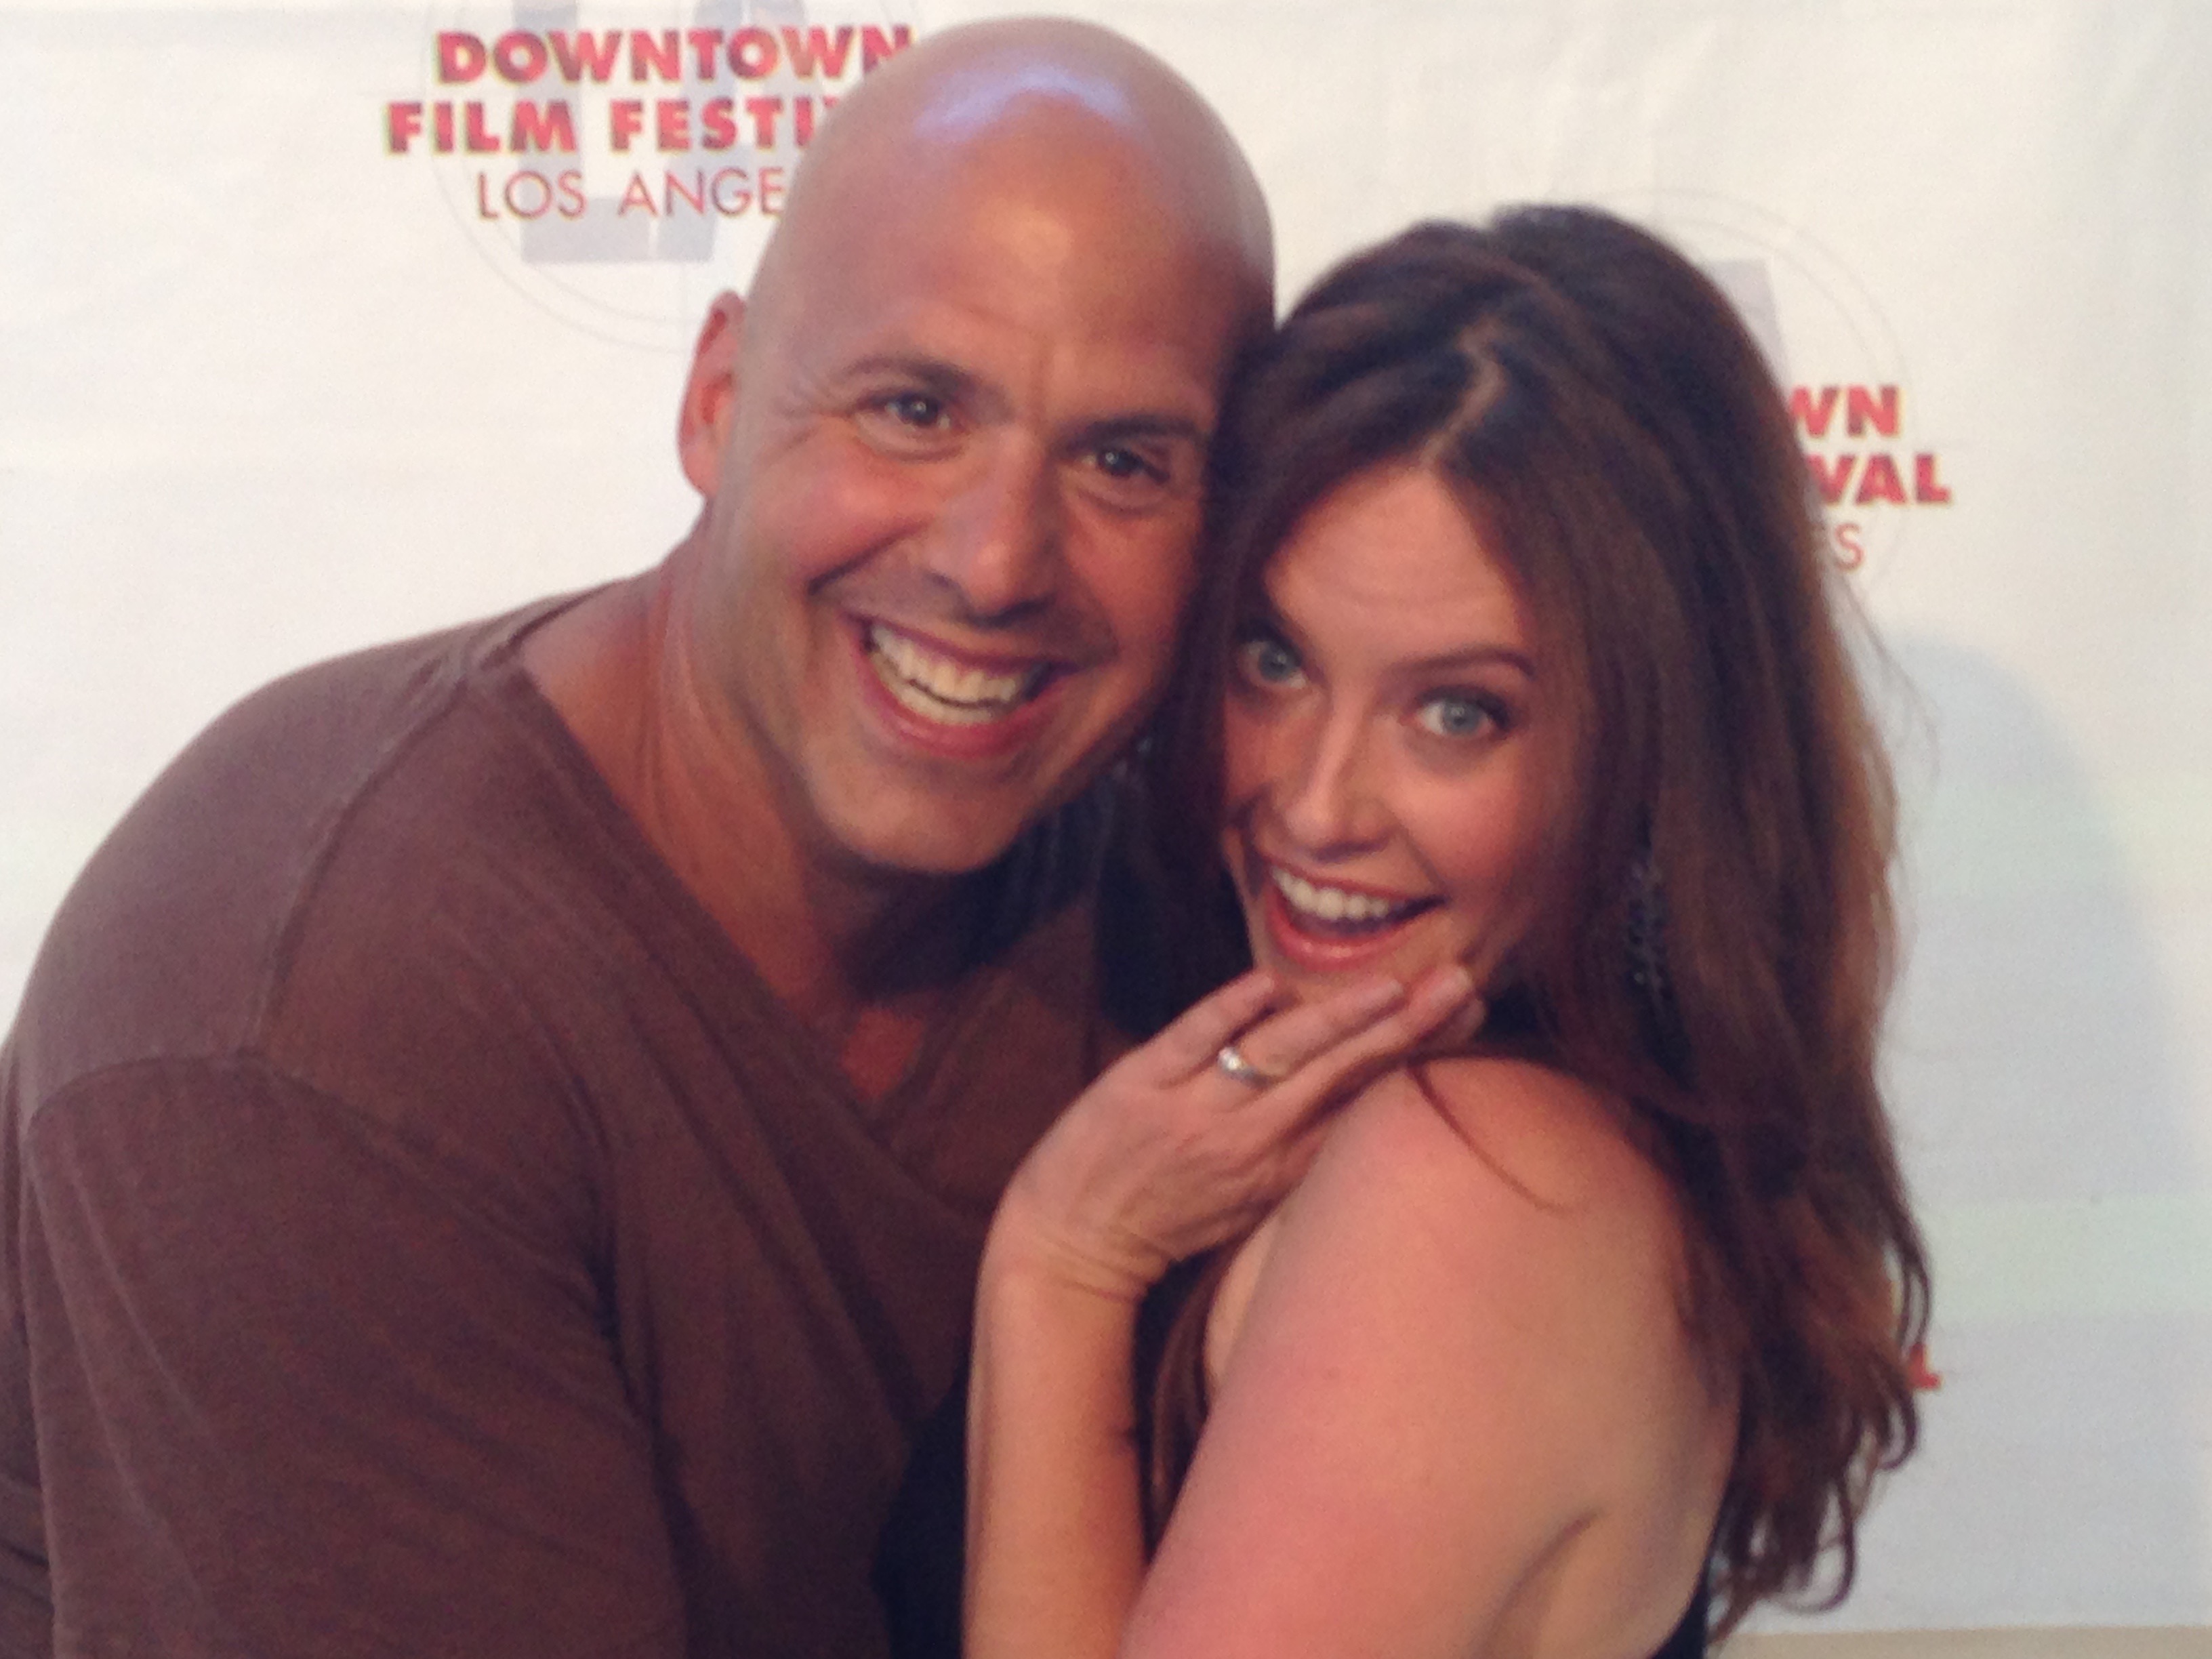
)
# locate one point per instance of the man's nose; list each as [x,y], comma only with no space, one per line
[997,540]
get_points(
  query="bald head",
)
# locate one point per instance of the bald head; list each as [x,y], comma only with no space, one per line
[1047,104]
[953,445]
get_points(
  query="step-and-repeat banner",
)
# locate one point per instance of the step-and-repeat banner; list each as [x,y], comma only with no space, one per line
[322,321]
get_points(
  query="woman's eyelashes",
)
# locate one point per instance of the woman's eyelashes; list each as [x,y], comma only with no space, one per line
[1267,663]
[1463,715]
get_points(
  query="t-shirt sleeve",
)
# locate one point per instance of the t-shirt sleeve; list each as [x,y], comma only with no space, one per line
[302,1385]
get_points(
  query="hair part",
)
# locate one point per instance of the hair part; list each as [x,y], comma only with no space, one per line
[1601,411]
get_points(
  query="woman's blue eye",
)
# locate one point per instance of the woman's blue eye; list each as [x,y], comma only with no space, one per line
[1454,716]
[1267,661]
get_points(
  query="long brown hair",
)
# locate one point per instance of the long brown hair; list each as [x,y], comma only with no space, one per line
[1717,944]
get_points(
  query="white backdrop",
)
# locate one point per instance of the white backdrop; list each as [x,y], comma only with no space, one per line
[270,389]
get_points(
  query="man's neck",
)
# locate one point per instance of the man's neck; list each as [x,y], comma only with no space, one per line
[862,958]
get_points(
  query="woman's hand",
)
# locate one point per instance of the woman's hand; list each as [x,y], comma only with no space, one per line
[1169,1151]
[1174,1149]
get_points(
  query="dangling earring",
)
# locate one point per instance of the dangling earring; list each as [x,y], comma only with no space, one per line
[1647,942]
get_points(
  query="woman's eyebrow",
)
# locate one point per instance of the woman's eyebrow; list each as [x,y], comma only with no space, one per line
[1476,656]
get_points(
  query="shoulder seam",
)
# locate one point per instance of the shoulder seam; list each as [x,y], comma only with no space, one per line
[451,680]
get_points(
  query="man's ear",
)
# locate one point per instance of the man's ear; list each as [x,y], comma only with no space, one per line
[710,394]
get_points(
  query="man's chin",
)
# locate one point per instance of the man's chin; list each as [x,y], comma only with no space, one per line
[933,841]
[944,821]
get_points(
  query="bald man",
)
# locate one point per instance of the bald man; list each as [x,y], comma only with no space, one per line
[498,1141]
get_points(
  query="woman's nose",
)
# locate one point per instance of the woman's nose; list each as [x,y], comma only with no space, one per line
[1329,796]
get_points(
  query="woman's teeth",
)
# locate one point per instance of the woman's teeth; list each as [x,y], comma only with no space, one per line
[938,689]
[1335,906]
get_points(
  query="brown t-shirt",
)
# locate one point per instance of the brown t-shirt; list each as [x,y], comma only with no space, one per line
[424,1235]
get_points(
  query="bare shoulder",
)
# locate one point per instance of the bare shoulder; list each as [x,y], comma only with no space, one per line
[1563,1147]
[1505,1152]
[1530,1183]
[1489,1182]
[1465,1340]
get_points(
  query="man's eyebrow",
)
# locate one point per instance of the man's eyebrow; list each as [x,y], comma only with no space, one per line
[940,379]
[930,375]
[1142,424]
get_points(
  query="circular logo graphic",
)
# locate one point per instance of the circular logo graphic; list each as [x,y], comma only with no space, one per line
[620,164]
[1835,355]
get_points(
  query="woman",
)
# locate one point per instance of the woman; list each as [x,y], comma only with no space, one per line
[1517,658]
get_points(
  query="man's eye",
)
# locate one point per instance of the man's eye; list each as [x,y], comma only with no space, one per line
[914,408]
[910,424]
[1454,714]
[1119,461]
[1265,661]
[1129,475]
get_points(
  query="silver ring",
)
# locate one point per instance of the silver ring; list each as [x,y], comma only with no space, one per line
[1231,1059]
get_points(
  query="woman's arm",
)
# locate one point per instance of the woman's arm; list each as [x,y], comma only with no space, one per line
[1464,1414]
[1055,1546]
[1165,1154]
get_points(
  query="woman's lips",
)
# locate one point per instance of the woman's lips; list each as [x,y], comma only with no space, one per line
[1326,928]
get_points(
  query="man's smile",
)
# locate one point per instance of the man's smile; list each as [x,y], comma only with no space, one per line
[926,682]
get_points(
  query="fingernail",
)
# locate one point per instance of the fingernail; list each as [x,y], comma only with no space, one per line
[1378,994]
[1453,984]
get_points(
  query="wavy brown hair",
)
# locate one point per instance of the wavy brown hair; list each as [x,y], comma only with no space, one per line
[1716,943]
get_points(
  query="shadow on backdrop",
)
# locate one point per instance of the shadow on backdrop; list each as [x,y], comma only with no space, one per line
[2047,1131]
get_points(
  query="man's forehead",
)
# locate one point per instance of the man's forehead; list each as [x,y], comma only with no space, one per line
[962,107]
[1040,193]
[1007,237]
[987,148]
[1075,128]
[1132,374]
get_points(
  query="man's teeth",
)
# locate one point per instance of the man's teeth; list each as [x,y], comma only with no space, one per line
[941,689]
[1334,904]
